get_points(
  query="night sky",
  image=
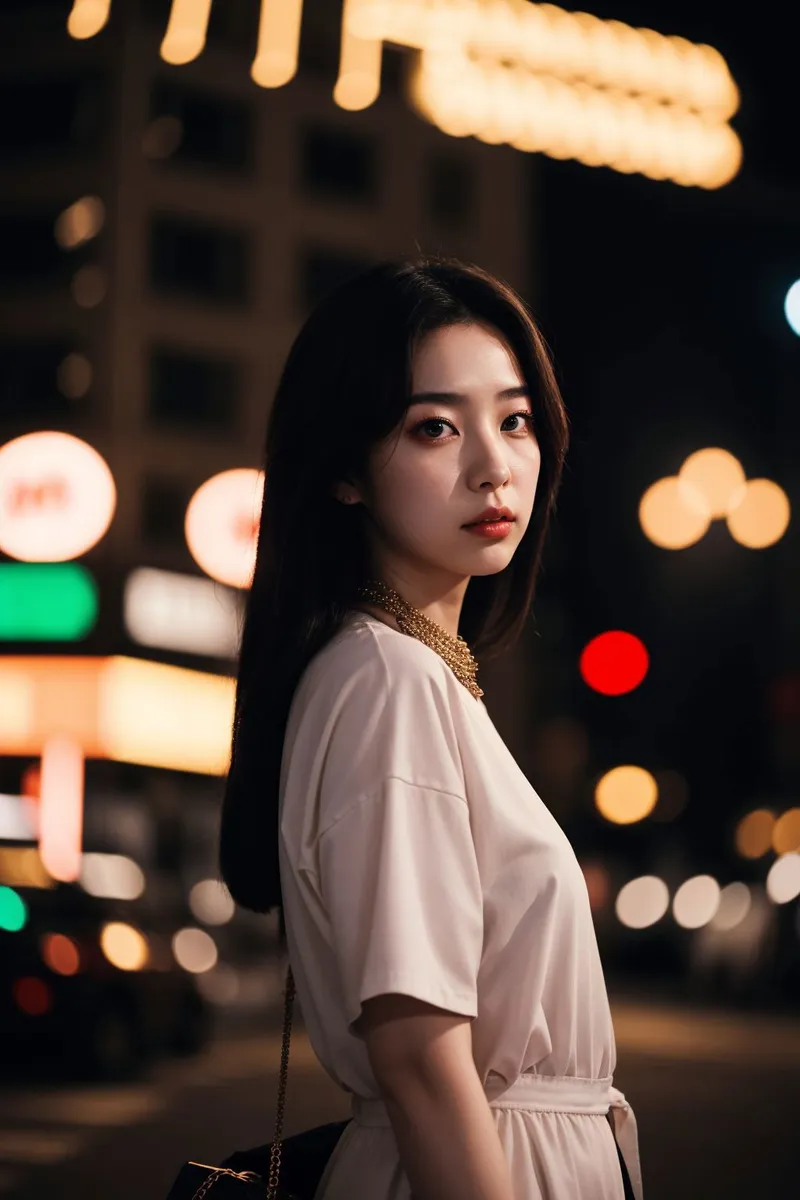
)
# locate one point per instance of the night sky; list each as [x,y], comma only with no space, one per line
[663,306]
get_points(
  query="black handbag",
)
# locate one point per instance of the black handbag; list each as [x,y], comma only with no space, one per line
[284,1169]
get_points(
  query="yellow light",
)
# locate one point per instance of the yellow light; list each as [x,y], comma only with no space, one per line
[759,514]
[61,808]
[278,42]
[222,525]
[717,475]
[753,836]
[22,866]
[165,716]
[186,31]
[57,497]
[626,794]
[359,80]
[87,18]
[642,902]
[673,513]
[194,950]
[128,710]
[666,121]
[81,222]
[696,902]
[124,946]
[786,834]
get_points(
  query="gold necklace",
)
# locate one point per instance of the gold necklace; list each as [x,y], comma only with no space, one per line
[454,650]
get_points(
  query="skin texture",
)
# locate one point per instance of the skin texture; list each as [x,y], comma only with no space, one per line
[425,484]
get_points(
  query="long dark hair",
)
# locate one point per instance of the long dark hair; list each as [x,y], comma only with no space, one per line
[344,388]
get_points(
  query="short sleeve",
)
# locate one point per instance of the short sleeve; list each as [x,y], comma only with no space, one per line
[400,882]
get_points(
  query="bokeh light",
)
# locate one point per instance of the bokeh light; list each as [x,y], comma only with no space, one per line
[791,307]
[111,876]
[74,376]
[717,475]
[13,910]
[124,946]
[614,662]
[626,794]
[642,902]
[57,497]
[32,995]
[734,904]
[60,954]
[79,223]
[211,902]
[674,513]
[87,17]
[786,834]
[194,950]
[753,835]
[598,884]
[696,902]
[783,880]
[222,522]
[673,795]
[759,514]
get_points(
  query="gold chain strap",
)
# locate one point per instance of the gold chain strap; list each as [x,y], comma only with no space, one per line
[215,1177]
[275,1152]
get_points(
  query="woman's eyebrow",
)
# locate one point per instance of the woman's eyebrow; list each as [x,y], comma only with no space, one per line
[458,397]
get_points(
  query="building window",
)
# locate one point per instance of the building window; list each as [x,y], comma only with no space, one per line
[195,128]
[187,390]
[47,117]
[450,190]
[29,252]
[42,379]
[336,165]
[164,504]
[199,261]
[322,271]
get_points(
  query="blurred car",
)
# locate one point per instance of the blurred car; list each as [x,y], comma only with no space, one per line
[84,984]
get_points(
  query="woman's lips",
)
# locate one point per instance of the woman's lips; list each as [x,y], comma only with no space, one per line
[491,529]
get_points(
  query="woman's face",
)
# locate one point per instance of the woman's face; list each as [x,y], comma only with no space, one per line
[471,447]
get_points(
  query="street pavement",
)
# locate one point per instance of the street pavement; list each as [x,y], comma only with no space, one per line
[716,1097]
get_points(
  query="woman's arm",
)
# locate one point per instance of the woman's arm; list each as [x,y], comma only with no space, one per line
[422,1060]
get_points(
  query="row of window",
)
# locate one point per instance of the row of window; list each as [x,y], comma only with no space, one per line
[194,128]
[187,260]
[186,391]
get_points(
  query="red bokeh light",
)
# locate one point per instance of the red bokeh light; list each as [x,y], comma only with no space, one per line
[32,995]
[614,663]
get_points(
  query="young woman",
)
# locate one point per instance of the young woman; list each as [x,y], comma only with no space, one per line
[436,918]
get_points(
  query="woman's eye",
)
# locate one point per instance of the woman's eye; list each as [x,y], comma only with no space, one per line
[525,417]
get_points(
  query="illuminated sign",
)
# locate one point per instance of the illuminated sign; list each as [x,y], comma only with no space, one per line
[222,525]
[181,612]
[534,76]
[124,709]
[57,497]
[46,602]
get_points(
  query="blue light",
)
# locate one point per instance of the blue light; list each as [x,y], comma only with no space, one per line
[791,306]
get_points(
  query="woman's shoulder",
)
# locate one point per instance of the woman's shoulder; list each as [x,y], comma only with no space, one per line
[375,657]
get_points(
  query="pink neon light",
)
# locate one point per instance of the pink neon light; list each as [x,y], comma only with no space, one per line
[61,808]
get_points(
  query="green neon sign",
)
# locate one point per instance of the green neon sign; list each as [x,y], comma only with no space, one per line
[46,602]
[13,910]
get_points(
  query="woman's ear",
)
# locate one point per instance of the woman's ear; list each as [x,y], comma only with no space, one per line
[346,492]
